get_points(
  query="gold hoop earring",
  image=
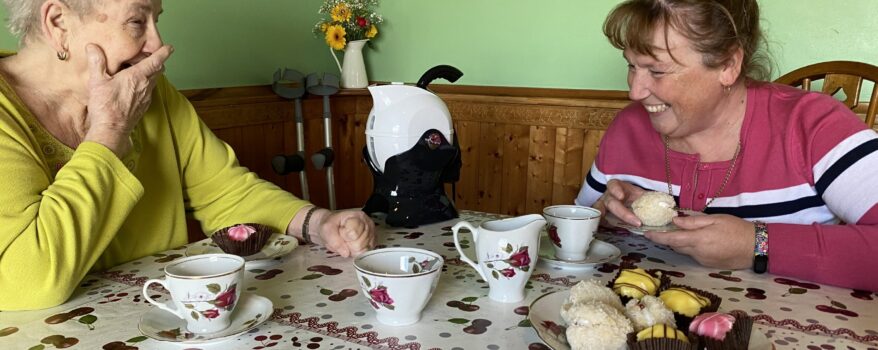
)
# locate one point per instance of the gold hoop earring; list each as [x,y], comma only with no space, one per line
[62,55]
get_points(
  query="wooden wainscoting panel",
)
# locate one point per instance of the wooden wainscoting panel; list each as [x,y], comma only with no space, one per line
[567,175]
[591,143]
[540,168]
[490,167]
[468,136]
[522,149]
[516,150]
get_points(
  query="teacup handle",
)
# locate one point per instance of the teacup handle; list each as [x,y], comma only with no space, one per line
[463,256]
[162,306]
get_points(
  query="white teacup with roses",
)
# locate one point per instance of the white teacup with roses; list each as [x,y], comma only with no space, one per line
[398,282]
[204,290]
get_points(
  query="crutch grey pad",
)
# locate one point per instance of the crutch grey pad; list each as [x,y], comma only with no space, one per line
[288,83]
[323,158]
[321,84]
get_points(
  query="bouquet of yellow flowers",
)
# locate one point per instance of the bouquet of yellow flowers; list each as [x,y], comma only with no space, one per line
[348,20]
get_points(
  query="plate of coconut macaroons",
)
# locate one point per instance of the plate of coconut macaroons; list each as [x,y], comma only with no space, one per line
[656,210]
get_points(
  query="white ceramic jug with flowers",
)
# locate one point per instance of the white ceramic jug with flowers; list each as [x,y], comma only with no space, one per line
[353,71]
[507,251]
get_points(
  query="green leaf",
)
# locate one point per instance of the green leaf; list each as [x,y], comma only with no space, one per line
[458,320]
[214,288]
[798,290]
[257,270]
[194,315]
[522,248]
[312,277]
[325,291]
[416,268]
[489,265]
[136,339]
[366,281]
[524,323]
[734,289]
[411,259]
[88,319]
[838,305]
[525,268]
[37,347]
[725,273]
[469,299]
[189,306]
[495,274]
[508,248]
[389,307]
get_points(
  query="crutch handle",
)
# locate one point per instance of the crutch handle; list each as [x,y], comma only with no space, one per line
[323,158]
[285,164]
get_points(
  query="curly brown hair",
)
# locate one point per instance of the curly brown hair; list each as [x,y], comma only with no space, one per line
[716,29]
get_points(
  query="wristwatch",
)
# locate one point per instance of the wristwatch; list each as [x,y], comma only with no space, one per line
[760,249]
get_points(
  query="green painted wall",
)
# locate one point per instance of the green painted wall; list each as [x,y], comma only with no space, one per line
[546,43]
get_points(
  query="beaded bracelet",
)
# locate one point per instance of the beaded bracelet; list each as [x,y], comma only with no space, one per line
[305,236]
[760,249]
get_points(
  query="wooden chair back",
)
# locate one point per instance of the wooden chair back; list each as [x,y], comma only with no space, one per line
[846,76]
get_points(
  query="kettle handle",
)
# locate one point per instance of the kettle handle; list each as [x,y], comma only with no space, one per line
[463,256]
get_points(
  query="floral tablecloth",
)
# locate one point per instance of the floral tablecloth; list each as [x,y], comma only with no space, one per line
[318,305]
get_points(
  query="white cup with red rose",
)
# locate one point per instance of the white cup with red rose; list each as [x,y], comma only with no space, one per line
[571,229]
[204,290]
[506,251]
[398,282]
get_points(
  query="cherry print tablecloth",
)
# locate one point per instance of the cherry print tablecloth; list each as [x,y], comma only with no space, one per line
[318,304]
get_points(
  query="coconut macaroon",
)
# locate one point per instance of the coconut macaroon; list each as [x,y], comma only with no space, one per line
[593,290]
[596,325]
[647,312]
[654,208]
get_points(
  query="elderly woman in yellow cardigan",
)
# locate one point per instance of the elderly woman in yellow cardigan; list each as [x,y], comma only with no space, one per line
[101,157]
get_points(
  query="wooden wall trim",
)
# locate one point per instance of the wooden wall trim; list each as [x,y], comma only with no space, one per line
[522,148]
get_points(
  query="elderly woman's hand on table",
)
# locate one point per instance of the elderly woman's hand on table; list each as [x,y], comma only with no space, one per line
[345,232]
[719,240]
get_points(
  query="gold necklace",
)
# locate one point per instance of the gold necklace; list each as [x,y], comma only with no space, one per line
[722,186]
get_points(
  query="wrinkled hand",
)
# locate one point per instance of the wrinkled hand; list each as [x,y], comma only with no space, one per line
[718,241]
[116,103]
[617,199]
[348,232]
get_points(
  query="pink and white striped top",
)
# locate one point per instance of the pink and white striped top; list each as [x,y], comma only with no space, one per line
[806,163]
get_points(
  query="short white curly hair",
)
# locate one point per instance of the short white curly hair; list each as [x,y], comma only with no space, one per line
[24,15]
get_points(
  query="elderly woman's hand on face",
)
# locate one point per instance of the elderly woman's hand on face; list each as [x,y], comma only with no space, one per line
[347,232]
[719,241]
[617,199]
[117,102]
